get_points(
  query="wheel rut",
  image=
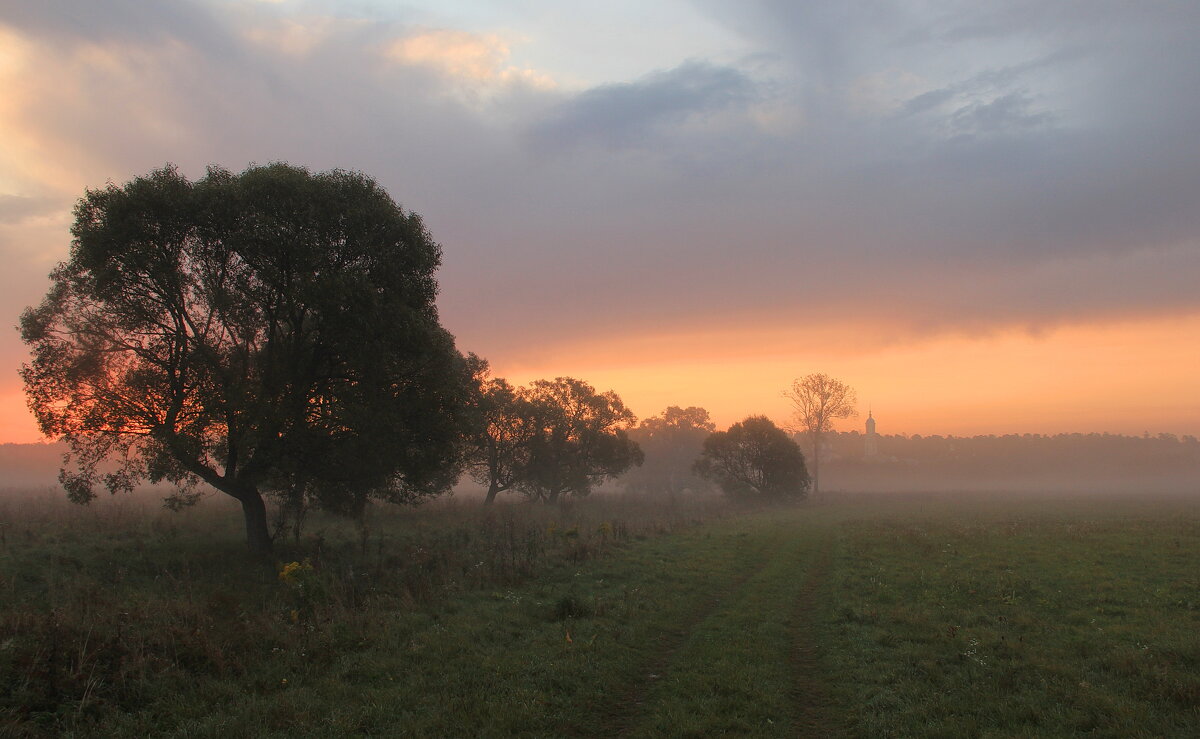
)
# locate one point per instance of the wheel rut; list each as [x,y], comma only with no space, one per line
[628,708]
[815,713]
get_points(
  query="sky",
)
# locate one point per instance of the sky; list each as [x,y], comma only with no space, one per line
[982,216]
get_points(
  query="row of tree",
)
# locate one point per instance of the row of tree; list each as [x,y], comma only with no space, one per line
[274,333]
[684,452]
[553,438]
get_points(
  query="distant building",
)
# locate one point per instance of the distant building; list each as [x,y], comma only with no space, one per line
[871,441]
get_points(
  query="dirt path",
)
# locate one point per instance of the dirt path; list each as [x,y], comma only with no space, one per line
[628,708]
[815,716]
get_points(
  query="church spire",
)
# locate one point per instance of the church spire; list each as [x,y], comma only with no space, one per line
[871,441]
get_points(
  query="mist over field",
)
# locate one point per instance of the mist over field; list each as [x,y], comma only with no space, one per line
[1075,463]
[994,465]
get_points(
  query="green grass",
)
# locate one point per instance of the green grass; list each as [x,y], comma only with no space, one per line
[865,617]
[1043,618]
[739,672]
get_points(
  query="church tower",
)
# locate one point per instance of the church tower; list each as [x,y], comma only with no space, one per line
[871,443]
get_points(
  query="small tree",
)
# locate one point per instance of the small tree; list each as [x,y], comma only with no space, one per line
[273,330]
[671,442]
[819,400]
[580,438]
[754,459]
[503,430]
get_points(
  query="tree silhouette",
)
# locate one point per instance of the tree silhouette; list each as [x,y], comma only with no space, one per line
[819,400]
[504,427]
[754,458]
[580,439]
[252,332]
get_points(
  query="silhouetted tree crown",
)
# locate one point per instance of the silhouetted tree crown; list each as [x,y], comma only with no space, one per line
[579,438]
[249,331]
[754,458]
[503,428]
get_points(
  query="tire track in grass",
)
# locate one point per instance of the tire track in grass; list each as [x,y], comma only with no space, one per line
[624,712]
[734,675]
[815,714]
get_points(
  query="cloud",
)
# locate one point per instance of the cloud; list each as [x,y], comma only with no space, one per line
[927,101]
[294,38]
[107,21]
[15,209]
[631,113]
[944,165]
[479,58]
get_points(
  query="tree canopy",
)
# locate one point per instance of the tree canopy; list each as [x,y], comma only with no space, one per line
[247,331]
[580,439]
[754,458]
[503,430]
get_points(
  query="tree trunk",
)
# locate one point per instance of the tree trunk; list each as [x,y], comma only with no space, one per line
[258,538]
[493,488]
[816,465]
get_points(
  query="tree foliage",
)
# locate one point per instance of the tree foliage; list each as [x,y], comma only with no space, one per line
[671,442]
[819,400]
[754,459]
[503,430]
[579,439]
[256,331]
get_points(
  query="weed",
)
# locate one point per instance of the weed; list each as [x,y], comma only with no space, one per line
[572,606]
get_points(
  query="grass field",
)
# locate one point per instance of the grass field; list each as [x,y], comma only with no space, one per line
[880,616]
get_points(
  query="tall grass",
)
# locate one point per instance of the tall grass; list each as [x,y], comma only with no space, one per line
[110,607]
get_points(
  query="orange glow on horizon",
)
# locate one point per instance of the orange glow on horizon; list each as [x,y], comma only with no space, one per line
[1124,377]
[17,425]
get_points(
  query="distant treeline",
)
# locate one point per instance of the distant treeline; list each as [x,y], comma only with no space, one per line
[1054,462]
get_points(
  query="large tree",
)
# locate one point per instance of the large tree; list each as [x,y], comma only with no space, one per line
[250,331]
[580,438]
[754,459]
[819,400]
[671,442]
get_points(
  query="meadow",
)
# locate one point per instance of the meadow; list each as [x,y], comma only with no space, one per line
[852,615]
